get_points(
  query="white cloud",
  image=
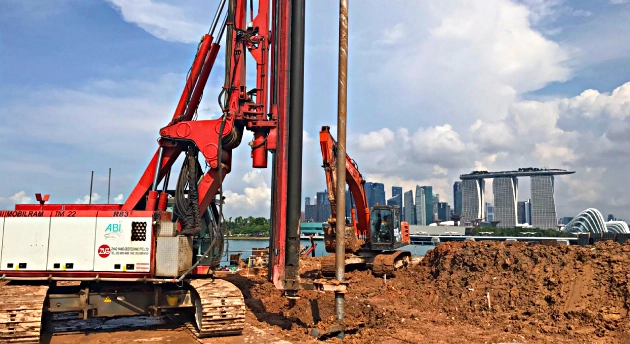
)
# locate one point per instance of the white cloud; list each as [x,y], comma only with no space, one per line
[450,101]
[469,60]
[169,22]
[618,2]
[437,170]
[118,199]
[19,197]
[86,199]
[254,200]
[307,140]
[592,103]
[550,133]
[120,112]
[375,139]
[393,35]
[549,154]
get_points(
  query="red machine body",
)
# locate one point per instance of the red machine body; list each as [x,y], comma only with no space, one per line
[264,110]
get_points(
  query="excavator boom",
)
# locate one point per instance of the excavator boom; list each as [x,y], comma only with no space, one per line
[376,233]
[354,179]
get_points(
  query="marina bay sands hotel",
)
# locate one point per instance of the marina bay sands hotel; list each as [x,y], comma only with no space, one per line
[505,190]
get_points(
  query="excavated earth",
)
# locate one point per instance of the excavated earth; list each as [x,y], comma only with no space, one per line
[467,292]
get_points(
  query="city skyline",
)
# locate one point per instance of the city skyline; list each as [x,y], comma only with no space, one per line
[506,207]
[558,102]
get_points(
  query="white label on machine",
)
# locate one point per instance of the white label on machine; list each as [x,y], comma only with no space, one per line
[25,243]
[71,243]
[123,244]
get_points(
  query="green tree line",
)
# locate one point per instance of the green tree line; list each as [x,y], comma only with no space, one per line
[248,226]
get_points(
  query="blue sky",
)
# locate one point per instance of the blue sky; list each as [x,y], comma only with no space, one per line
[436,89]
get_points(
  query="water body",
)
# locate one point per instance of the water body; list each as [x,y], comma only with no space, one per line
[245,247]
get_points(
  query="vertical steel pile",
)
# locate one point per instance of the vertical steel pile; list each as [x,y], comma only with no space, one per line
[342,101]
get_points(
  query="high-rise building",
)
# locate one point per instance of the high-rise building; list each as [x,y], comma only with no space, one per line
[323,213]
[378,193]
[543,205]
[424,205]
[444,211]
[528,211]
[473,200]
[520,212]
[397,196]
[505,190]
[375,193]
[322,198]
[310,213]
[408,208]
[320,210]
[368,193]
[489,210]
[420,206]
[434,212]
[457,198]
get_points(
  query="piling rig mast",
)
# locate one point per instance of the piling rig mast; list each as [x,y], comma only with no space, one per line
[141,257]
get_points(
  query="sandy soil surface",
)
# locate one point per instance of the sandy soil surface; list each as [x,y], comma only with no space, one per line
[537,294]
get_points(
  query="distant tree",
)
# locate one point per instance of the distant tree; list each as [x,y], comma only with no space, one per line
[250,226]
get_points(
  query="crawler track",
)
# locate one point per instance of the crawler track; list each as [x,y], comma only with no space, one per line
[388,263]
[219,308]
[21,309]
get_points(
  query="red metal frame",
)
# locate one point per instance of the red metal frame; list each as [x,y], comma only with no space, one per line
[262,110]
[279,137]
[243,110]
[76,207]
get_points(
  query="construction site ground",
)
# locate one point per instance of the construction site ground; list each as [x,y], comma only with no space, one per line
[466,292]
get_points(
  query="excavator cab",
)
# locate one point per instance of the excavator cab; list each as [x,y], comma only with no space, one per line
[387,232]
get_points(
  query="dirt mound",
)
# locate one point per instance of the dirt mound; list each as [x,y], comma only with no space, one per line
[557,290]
[537,294]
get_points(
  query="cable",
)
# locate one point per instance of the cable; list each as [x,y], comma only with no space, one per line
[225,110]
[187,208]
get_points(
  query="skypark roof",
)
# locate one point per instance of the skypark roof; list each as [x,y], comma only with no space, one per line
[521,172]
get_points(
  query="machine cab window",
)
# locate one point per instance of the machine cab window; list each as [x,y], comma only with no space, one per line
[381,225]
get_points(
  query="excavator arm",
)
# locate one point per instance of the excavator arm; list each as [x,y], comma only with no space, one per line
[355,181]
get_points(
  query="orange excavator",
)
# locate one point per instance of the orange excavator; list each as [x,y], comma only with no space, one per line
[373,236]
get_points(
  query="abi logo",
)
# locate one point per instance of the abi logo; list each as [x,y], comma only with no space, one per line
[113,231]
[113,227]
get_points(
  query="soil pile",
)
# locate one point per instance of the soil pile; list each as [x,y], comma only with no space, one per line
[537,294]
[572,291]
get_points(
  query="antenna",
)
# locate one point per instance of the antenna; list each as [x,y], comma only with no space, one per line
[109,183]
[91,182]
